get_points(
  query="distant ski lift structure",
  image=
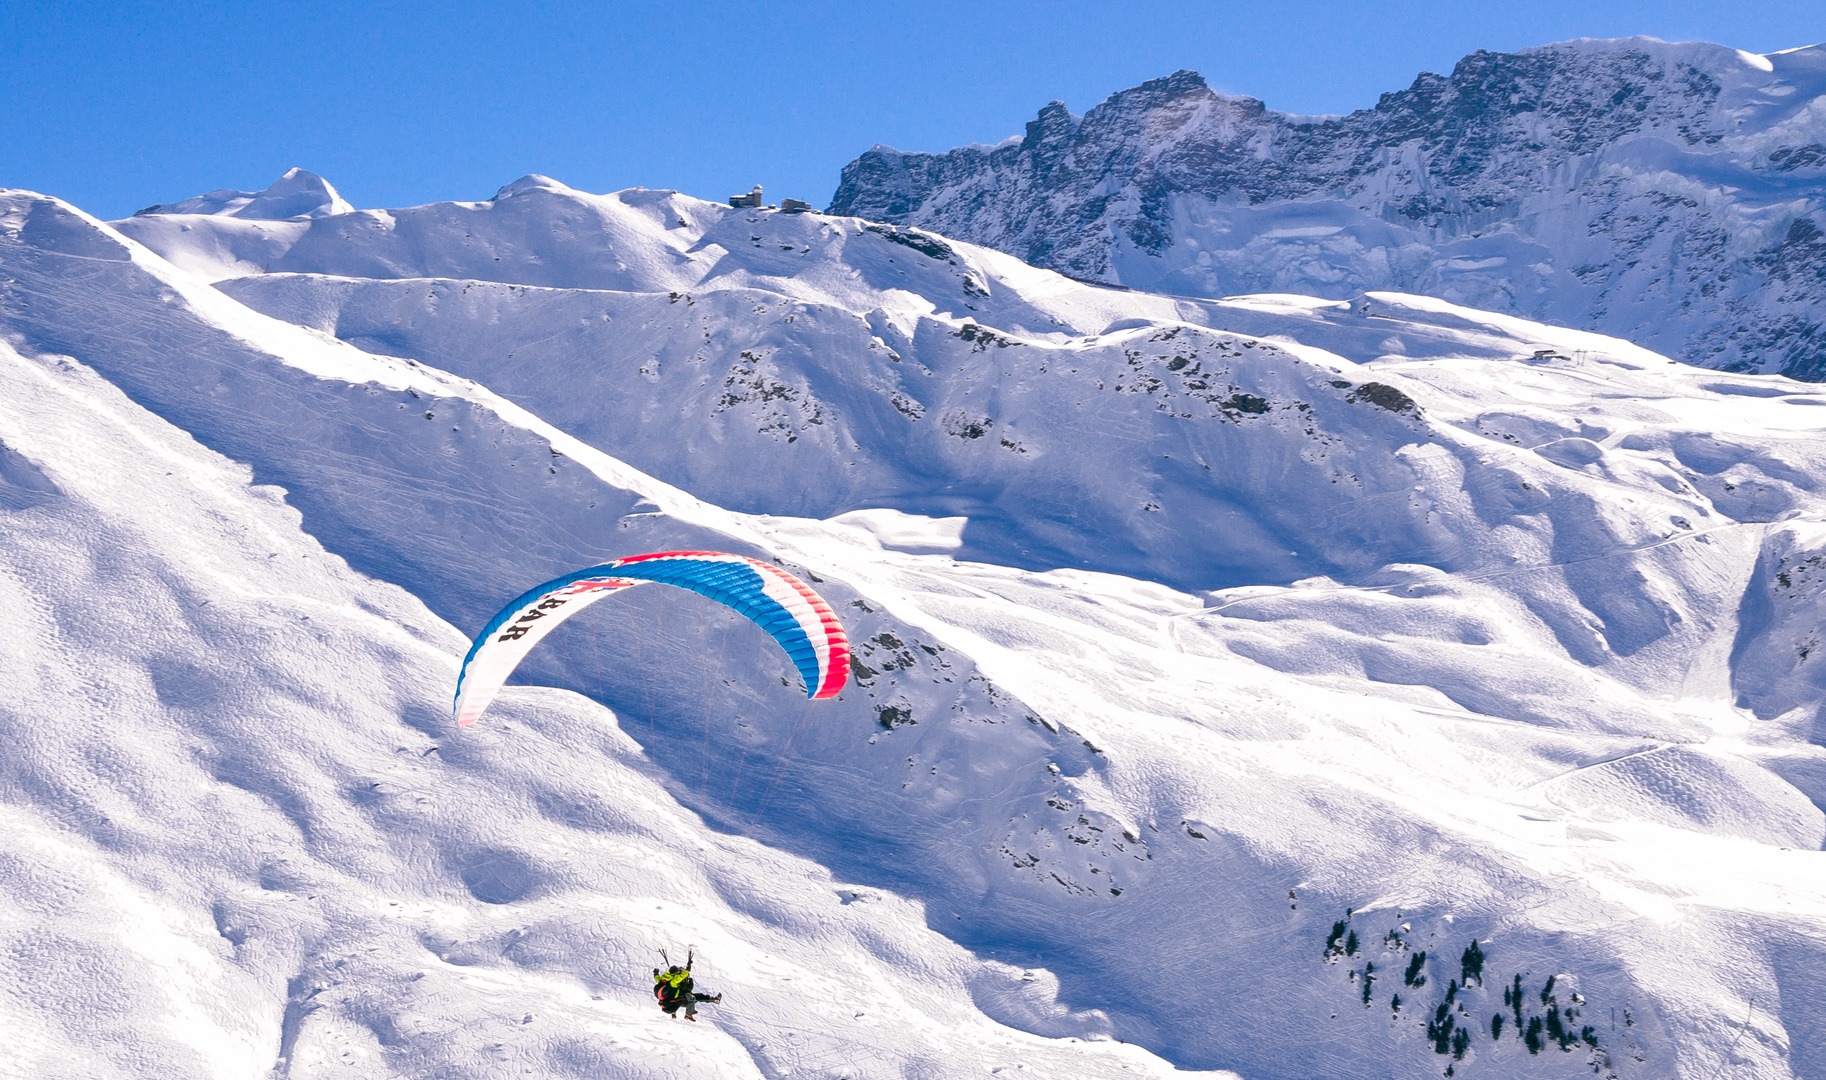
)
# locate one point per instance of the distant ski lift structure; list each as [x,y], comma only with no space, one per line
[794,206]
[752,199]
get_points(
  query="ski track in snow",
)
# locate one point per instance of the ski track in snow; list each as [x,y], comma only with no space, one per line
[1502,636]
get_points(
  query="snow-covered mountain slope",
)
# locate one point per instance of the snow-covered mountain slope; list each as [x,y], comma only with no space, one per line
[1672,195]
[1510,643]
[240,840]
[243,836]
[812,366]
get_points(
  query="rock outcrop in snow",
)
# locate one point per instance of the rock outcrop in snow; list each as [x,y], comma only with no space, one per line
[1671,195]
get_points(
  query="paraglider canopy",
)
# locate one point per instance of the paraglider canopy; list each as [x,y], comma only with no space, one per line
[787,608]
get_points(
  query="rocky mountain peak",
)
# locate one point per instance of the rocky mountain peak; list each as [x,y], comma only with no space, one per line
[1049,134]
[1160,91]
[1645,189]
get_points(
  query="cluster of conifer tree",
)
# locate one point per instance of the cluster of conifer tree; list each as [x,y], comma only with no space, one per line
[1450,1028]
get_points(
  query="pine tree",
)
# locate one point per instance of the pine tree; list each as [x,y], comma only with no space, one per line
[1471,965]
[1414,976]
[1556,1028]
[1496,1027]
[1332,950]
[1439,1029]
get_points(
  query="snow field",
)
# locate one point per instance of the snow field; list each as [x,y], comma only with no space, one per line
[1485,685]
[244,841]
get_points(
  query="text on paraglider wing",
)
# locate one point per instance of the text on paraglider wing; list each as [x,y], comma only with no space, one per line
[524,623]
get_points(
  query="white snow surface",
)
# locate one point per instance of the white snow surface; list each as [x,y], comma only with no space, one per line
[1186,631]
[297,194]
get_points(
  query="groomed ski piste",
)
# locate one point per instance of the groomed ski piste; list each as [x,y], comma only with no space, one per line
[1223,669]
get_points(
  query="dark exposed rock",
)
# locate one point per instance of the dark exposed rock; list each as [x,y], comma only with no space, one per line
[1386,396]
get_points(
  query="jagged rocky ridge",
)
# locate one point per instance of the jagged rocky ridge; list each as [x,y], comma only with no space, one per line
[1669,194]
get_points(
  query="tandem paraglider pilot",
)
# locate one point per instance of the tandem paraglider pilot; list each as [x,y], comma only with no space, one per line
[674,988]
[798,619]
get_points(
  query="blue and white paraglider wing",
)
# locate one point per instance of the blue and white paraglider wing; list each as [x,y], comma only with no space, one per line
[797,618]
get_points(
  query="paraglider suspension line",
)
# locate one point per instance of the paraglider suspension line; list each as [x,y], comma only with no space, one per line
[658,640]
[780,767]
[709,692]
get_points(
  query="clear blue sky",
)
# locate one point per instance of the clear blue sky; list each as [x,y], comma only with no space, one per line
[117,105]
